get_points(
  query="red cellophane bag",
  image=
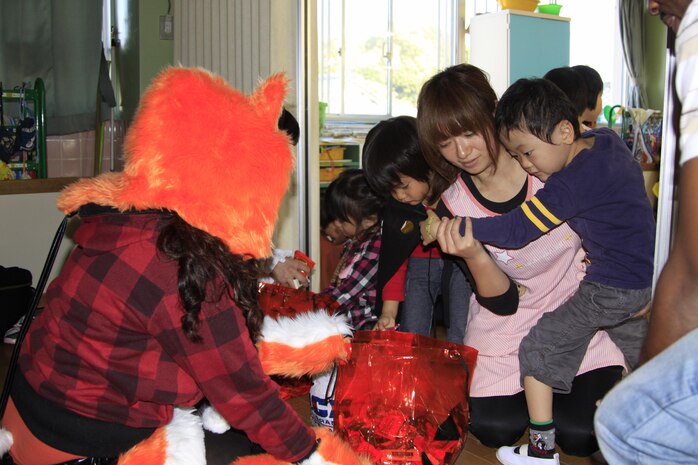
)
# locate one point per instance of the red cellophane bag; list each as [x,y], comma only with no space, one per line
[277,301]
[402,398]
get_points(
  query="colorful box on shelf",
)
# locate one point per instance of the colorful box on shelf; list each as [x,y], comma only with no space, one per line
[332,154]
[330,174]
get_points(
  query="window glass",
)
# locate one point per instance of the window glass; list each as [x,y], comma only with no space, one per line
[376,54]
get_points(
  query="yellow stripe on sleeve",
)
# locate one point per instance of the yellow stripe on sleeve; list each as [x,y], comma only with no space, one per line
[545,211]
[533,218]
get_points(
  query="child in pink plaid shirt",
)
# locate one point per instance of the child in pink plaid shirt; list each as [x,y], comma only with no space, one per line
[356,209]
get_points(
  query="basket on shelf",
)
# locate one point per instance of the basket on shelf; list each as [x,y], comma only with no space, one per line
[525,5]
[550,8]
[335,156]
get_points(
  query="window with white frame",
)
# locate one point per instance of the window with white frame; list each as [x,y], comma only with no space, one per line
[374,55]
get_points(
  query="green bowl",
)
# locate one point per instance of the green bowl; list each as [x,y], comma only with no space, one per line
[551,9]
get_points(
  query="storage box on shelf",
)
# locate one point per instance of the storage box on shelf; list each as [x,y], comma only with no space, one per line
[336,155]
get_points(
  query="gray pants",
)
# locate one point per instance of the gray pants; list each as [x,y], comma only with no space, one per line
[554,348]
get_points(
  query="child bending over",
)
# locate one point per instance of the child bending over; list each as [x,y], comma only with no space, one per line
[356,209]
[409,272]
[594,184]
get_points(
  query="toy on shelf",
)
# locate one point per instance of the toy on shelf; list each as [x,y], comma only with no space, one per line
[23,131]
[641,129]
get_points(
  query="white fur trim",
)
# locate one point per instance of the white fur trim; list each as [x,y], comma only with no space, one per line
[6,441]
[214,421]
[304,328]
[185,439]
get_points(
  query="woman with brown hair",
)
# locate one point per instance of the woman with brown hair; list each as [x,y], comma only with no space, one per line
[456,129]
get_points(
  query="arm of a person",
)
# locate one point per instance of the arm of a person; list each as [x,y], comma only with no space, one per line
[388,315]
[487,274]
[675,307]
[226,367]
[393,293]
[548,209]
[490,280]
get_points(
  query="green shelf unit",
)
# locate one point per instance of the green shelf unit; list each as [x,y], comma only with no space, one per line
[35,97]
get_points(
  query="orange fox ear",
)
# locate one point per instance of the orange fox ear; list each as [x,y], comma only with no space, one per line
[268,98]
[287,348]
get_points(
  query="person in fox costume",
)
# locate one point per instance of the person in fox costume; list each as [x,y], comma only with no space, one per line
[156,308]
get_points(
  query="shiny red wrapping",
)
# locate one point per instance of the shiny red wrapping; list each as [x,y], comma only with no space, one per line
[277,300]
[402,398]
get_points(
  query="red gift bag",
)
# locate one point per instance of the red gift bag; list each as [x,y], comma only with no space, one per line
[402,398]
[277,300]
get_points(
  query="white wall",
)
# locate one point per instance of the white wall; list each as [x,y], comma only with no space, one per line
[27,228]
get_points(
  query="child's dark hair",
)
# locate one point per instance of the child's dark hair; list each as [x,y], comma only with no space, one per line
[535,106]
[350,198]
[391,150]
[326,216]
[289,124]
[593,81]
[573,85]
[457,100]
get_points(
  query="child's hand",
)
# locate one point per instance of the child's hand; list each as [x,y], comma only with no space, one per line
[462,245]
[385,322]
[427,228]
[644,311]
[388,315]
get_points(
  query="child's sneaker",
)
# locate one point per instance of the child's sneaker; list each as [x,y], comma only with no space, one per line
[12,333]
[518,455]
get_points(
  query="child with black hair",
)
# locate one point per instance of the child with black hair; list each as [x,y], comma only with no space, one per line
[593,183]
[594,90]
[356,210]
[408,271]
[583,86]
[332,240]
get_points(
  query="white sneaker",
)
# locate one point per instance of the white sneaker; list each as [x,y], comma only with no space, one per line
[518,455]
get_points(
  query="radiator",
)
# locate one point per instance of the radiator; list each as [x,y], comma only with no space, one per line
[231,38]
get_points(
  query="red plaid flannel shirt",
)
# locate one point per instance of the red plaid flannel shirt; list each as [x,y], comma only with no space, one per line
[109,345]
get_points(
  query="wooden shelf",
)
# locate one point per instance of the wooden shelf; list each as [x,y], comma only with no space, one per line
[34,186]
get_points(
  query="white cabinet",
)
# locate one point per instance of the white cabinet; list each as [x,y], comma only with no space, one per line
[513,44]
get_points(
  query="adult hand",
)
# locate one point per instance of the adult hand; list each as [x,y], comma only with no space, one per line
[451,241]
[287,271]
